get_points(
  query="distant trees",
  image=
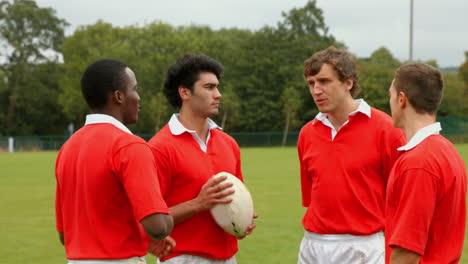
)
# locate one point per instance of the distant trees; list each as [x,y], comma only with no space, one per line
[86,45]
[375,77]
[263,86]
[291,101]
[259,66]
[230,108]
[455,95]
[456,91]
[28,33]
[463,71]
[271,62]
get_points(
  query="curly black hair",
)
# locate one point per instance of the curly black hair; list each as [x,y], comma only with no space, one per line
[185,72]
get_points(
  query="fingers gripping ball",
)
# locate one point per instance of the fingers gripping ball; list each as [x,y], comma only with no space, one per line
[236,216]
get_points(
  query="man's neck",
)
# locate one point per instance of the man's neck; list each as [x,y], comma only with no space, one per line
[414,122]
[340,116]
[194,122]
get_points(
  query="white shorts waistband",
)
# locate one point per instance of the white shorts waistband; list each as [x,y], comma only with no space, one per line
[134,260]
[341,237]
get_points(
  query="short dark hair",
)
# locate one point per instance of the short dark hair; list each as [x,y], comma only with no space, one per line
[422,84]
[340,60]
[100,79]
[185,72]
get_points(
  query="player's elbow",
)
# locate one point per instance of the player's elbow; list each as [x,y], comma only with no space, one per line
[158,226]
[165,227]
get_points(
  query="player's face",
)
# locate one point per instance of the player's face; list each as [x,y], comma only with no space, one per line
[328,92]
[394,106]
[131,105]
[204,99]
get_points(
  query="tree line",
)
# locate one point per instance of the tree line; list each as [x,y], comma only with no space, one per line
[263,87]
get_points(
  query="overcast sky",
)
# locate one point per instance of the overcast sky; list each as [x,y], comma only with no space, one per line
[440,27]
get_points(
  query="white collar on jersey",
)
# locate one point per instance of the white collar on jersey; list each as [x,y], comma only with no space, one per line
[105,119]
[177,128]
[363,108]
[423,133]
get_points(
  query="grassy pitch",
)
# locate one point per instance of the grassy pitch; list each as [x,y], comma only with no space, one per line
[27,224]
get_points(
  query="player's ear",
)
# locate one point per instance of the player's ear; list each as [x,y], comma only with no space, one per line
[349,84]
[117,97]
[184,93]
[402,99]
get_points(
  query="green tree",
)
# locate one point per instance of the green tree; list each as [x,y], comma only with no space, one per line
[152,49]
[258,84]
[88,44]
[158,107]
[462,93]
[229,107]
[257,65]
[375,77]
[463,70]
[147,50]
[303,32]
[37,110]
[433,63]
[455,94]
[4,92]
[383,57]
[291,100]
[28,32]
[272,58]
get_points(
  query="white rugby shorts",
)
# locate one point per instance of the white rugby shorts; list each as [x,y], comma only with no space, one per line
[339,249]
[134,260]
[190,259]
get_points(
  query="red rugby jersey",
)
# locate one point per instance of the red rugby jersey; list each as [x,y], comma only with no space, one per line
[183,168]
[426,202]
[106,183]
[343,180]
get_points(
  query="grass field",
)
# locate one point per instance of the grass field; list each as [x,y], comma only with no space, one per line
[27,222]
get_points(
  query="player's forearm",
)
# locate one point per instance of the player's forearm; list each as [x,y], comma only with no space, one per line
[184,210]
[61,237]
[403,256]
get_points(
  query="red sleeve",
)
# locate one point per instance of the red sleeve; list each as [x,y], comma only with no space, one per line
[306,182]
[238,160]
[394,138]
[137,171]
[164,170]
[58,210]
[58,203]
[414,194]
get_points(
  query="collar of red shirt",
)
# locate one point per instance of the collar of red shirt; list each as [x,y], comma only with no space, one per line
[363,108]
[105,119]
[177,128]
[423,133]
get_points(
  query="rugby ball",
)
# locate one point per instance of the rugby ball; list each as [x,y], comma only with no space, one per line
[236,216]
